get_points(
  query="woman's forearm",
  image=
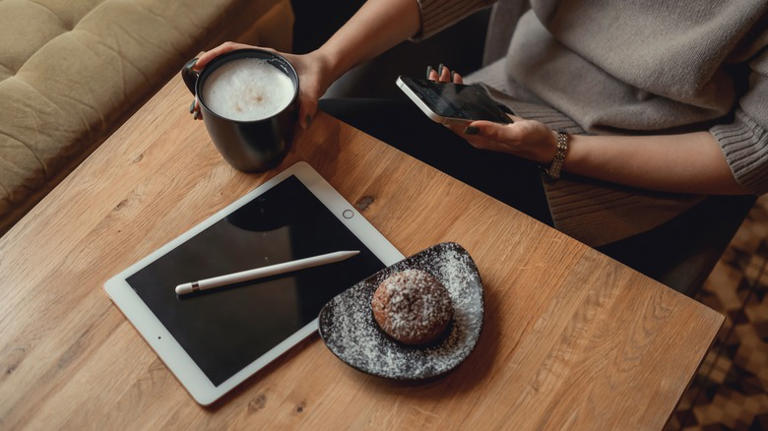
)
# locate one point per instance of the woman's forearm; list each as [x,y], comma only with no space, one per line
[376,27]
[688,163]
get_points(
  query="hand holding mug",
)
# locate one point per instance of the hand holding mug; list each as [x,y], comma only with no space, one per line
[248,99]
[311,69]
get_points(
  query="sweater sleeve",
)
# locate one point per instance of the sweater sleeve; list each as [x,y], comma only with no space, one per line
[745,141]
[439,14]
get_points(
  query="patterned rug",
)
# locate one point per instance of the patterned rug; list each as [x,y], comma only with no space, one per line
[730,391]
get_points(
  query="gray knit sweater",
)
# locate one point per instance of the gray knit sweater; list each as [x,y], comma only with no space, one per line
[633,67]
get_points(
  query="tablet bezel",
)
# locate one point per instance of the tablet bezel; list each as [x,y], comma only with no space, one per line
[170,351]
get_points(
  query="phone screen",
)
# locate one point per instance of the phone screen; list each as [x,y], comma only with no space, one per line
[470,102]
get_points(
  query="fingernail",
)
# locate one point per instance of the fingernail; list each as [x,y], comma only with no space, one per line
[308,120]
[471,130]
[452,73]
[429,70]
[192,107]
[505,108]
[440,70]
[198,115]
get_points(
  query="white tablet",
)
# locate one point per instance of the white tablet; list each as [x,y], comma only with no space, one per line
[215,339]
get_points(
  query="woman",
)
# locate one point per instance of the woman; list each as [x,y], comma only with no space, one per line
[656,103]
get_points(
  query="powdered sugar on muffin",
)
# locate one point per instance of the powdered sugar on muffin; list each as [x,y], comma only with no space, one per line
[412,307]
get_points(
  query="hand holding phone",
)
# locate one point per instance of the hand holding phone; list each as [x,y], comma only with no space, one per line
[452,104]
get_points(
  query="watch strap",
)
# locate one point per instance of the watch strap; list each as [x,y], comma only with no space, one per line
[553,171]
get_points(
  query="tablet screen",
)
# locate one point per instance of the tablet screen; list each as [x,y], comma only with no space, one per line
[225,329]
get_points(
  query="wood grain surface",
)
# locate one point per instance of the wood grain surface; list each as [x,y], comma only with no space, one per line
[571,339]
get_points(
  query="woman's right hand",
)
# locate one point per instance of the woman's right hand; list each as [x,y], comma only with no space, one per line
[312,68]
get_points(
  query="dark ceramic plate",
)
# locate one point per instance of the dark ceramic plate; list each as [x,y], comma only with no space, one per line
[347,327]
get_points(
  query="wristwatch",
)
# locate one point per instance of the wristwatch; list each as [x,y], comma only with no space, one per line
[553,171]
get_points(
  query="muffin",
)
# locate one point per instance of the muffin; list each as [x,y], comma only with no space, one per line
[412,307]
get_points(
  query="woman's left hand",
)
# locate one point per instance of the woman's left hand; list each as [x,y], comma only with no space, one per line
[529,139]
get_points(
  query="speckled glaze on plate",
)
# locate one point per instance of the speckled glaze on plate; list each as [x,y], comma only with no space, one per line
[347,327]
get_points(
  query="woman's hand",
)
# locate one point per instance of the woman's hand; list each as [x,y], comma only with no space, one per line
[685,163]
[529,139]
[312,69]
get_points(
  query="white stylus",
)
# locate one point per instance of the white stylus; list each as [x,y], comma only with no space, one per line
[266,271]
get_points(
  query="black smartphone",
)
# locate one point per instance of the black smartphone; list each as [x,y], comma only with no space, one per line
[449,103]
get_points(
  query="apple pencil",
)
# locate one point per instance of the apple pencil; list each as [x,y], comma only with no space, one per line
[266,271]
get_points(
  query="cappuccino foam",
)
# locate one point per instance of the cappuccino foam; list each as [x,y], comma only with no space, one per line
[247,89]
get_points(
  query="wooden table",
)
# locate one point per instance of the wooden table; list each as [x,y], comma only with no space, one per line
[572,339]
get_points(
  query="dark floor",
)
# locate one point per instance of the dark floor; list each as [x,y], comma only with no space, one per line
[730,391]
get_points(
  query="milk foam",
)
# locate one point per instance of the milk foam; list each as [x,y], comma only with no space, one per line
[247,89]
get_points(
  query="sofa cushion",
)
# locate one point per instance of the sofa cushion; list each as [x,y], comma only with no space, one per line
[70,72]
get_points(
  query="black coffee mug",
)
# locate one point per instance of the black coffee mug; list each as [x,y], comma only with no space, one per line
[249,146]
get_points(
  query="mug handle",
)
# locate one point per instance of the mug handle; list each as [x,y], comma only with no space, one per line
[190,76]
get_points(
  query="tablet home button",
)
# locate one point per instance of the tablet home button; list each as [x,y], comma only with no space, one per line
[348,214]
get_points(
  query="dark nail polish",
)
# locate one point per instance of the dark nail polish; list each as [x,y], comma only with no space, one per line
[308,120]
[452,73]
[440,70]
[429,70]
[192,107]
[471,130]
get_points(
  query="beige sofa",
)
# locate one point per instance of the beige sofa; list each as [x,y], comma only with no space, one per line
[71,71]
